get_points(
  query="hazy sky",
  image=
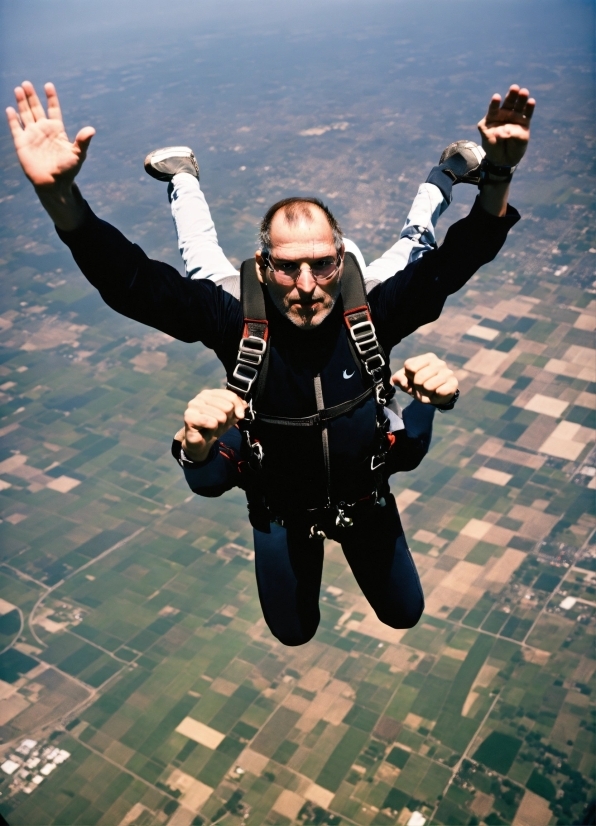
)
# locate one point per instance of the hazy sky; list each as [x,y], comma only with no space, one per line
[156,72]
[50,37]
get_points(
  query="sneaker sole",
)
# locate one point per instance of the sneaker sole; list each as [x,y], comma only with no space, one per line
[476,150]
[159,155]
[472,176]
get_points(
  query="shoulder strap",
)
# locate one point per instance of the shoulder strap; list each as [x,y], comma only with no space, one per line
[363,336]
[253,351]
[251,362]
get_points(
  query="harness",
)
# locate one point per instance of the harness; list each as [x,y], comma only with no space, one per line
[250,375]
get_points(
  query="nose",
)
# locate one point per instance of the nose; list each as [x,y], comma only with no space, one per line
[306,281]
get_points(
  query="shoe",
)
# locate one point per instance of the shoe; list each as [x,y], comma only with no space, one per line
[164,163]
[461,161]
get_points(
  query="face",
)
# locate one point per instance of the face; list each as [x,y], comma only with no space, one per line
[304,302]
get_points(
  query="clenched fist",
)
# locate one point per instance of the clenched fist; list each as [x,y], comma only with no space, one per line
[427,379]
[207,417]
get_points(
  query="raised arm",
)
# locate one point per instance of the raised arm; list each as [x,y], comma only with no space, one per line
[416,295]
[130,282]
[49,159]
[505,132]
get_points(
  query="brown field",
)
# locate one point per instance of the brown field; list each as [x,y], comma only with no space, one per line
[288,804]
[10,707]
[200,733]
[533,811]
[504,566]
[482,804]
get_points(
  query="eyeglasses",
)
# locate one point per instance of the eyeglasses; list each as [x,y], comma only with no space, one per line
[288,272]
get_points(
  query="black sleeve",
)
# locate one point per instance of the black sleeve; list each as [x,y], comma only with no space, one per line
[412,443]
[153,292]
[416,295]
[219,472]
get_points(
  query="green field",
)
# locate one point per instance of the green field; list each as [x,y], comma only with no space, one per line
[139,601]
[498,751]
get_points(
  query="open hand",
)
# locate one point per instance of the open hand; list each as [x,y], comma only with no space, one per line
[47,156]
[505,129]
[427,379]
[207,417]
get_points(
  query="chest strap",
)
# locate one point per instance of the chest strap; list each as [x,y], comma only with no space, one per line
[320,417]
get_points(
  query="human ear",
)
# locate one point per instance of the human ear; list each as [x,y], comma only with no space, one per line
[260,268]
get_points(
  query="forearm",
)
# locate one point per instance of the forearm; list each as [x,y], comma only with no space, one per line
[64,205]
[494,197]
[416,295]
[213,476]
[412,443]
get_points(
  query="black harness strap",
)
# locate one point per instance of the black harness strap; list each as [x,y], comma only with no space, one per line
[324,415]
[250,374]
[362,334]
[253,351]
[324,436]
[363,338]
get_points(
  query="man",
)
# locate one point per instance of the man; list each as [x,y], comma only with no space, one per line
[311,367]
[212,448]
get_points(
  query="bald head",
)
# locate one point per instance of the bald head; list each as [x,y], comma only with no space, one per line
[301,234]
[299,212]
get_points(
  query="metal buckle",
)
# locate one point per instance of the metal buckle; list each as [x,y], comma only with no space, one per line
[364,336]
[249,413]
[374,363]
[343,520]
[251,350]
[244,373]
[380,392]
[379,460]
[257,453]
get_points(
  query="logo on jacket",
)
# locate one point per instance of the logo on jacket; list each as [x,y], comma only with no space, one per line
[348,375]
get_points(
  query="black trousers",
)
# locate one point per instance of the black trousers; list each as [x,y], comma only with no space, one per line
[289,566]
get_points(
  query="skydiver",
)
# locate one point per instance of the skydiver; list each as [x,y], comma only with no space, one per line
[210,447]
[322,481]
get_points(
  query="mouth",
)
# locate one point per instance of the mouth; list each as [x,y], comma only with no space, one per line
[306,305]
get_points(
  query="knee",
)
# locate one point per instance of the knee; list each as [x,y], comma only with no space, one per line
[401,616]
[293,633]
[293,639]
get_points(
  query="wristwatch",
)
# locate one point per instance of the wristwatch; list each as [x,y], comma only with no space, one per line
[185,461]
[450,404]
[488,169]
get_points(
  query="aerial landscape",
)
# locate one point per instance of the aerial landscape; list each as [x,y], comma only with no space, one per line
[139,683]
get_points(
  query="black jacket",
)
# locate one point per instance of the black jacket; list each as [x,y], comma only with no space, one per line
[153,293]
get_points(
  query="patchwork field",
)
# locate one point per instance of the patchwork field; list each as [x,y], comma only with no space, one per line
[130,630]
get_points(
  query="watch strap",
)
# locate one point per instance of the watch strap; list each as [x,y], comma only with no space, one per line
[489,169]
[450,404]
